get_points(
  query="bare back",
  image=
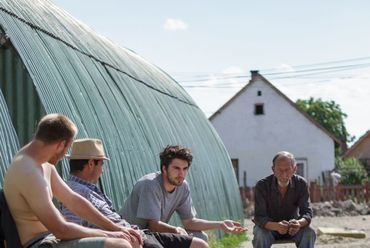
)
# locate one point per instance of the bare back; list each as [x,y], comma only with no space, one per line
[27,182]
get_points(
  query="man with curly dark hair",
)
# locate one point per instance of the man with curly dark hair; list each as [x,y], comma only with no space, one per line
[156,196]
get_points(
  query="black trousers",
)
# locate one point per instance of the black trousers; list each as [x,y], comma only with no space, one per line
[166,240]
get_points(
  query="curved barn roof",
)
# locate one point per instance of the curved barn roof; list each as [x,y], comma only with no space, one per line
[113,94]
[8,138]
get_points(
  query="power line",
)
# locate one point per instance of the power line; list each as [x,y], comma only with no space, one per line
[294,74]
[318,71]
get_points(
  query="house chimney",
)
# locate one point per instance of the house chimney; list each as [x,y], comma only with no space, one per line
[254,75]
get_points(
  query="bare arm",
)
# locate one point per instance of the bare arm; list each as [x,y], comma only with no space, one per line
[159,226]
[229,226]
[36,191]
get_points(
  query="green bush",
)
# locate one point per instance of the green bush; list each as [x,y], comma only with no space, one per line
[227,241]
[351,170]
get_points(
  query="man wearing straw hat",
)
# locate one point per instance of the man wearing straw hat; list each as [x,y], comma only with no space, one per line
[156,196]
[32,181]
[86,166]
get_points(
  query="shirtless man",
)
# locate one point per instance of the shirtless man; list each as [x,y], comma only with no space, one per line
[32,181]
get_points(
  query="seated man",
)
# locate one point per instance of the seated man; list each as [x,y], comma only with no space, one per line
[156,196]
[32,181]
[278,200]
[86,166]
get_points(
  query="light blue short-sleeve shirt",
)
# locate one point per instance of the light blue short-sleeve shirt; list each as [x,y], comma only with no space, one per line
[150,201]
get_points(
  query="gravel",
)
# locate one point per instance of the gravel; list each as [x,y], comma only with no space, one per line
[359,222]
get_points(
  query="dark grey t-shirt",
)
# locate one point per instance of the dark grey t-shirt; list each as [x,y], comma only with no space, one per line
[150,201]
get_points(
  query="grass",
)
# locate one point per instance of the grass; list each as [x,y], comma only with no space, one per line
[227,241]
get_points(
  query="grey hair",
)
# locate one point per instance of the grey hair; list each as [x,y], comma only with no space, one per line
[284,154]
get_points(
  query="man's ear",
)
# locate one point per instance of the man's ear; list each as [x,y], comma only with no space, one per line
[90,163]
[61,144]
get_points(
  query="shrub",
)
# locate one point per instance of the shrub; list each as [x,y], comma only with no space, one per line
[351,170]
[227,241]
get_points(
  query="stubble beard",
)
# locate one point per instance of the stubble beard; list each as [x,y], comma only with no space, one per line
[174,182]
[56,158]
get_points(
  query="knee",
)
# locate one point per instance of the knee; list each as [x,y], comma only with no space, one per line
[309,233]
[200,235]
[198,243]
[118,243]
[263,233]
[262,237]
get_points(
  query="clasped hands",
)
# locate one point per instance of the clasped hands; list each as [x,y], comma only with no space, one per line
[290,227]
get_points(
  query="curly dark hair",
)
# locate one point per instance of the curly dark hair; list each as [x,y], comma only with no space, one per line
[174,151]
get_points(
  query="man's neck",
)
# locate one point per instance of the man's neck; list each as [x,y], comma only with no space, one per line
[38,151]
[82,177]
[166,185]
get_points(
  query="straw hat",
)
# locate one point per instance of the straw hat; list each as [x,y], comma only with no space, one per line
[87,149]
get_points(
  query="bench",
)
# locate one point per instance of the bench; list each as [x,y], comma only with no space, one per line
[8,230]
[283,241]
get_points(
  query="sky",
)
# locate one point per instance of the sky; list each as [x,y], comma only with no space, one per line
[306,49]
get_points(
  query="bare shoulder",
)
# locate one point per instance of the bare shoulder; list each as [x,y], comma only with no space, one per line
[26,176]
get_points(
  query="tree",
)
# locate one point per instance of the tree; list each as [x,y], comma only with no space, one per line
[351,170]
[329,115]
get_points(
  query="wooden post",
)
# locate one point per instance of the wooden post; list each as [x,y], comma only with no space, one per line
[313,192]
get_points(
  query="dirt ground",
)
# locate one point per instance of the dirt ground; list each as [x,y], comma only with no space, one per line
[361,223]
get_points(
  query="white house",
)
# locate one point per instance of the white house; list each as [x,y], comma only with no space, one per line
[260,121]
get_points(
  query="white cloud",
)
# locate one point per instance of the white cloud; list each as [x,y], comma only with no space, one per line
[233,70]
[285,68]
[217,92]
[174,25]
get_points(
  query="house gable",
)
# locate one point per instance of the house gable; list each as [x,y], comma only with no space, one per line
[254,138]
[361,148]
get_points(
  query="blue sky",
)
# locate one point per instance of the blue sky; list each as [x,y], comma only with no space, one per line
[197,42]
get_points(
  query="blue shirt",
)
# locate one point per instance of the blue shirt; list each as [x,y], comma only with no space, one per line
[97,198]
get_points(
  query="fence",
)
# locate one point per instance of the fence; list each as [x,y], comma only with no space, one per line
[357,193]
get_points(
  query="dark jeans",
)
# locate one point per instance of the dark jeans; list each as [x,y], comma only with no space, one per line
[263,238]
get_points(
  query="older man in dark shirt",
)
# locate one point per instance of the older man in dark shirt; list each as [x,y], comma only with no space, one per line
[282,207]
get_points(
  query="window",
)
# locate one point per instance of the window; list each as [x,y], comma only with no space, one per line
[258,109]
[259,93]
[300,169]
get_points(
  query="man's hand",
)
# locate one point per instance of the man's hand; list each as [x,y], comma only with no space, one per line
[132,235]
[181,231]
[230,226]
[294,227]
[282,227]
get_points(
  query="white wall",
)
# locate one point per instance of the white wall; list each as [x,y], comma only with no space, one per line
[255,139]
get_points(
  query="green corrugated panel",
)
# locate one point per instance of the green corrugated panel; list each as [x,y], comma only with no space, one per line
[113,94]
[19,93]
[8,138]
